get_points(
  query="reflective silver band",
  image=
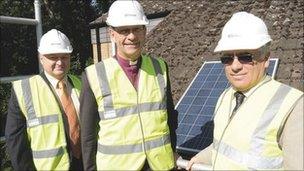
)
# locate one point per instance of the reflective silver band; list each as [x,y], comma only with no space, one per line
[42,120]
[270,112]
[151,144]
[160,76]
[48,153]
[143,107]
[136,148]
[252,161]
[27,94]
[105,90]
[32,119]
[109,111]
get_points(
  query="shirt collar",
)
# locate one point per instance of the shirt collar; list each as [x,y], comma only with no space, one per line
[127,63]
[54,81]
[250,91]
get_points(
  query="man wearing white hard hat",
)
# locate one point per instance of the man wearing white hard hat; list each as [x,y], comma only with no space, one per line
[42,129]
[127,112]
[258,123]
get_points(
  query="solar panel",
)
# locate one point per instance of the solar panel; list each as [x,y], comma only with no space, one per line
[196,107]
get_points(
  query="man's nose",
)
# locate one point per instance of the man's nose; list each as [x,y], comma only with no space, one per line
[60,59]
[131,34]
[236,64]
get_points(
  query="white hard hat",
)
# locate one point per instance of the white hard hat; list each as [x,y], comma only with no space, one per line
[243,31]
[126,13]
[54,41]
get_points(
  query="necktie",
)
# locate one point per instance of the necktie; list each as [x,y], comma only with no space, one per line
[70,112]
[239,97]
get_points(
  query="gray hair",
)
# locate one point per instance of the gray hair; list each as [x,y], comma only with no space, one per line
[264,50]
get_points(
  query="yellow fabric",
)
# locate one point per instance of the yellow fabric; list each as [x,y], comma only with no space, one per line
[134,128]
[47,136]
[240,129]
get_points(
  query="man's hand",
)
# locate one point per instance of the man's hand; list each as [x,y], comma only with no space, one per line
[203,157]
[193,160]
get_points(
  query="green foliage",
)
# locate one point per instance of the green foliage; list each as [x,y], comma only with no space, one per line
[102,6]
[19,44]
[72,18]
[4,95]
[5,163]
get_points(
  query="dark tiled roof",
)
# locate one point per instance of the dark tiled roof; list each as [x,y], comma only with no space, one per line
[187,36]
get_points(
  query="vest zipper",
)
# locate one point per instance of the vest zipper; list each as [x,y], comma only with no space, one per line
[141,125]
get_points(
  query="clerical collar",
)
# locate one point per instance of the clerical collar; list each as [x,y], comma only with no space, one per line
[133,62]
[126,62]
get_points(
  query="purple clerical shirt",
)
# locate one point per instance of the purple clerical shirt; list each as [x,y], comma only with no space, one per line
[131,69]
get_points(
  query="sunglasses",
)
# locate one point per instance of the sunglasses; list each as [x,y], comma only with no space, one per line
[242,58]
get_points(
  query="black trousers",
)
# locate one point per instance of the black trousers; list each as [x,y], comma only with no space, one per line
[76,164]
[146,166]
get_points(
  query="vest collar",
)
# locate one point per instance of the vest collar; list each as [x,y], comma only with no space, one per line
[250,91]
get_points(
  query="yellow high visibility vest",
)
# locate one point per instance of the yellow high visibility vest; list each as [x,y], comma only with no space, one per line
[133,124]
[45,127]
[249,139]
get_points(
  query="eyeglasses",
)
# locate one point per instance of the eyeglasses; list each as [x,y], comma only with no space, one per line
[242,58]
[128,30]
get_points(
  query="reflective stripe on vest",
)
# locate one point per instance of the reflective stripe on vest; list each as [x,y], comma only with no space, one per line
[25,84]
[44,123]
[143,107]
[109,111]
[33,121]
[261,129]
[159,74]
[42,120]
[252,161]
[253,158]
[134,148]
[105,88]
[48,153]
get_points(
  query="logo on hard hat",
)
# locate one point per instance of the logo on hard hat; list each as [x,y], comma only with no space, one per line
[126,13]
[56,43]
[130,15]
[233,35]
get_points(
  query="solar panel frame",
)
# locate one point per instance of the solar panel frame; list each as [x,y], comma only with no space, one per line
[196,98]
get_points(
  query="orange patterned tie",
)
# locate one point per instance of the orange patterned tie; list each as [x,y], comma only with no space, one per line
[70,112]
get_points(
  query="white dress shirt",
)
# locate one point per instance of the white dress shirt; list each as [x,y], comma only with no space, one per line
[72,92]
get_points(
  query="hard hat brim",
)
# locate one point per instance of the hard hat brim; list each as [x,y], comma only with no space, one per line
[237,43]
[46,52]
[127,23]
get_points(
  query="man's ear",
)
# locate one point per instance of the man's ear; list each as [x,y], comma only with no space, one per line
[111,33]
[40,58]
[267,60]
